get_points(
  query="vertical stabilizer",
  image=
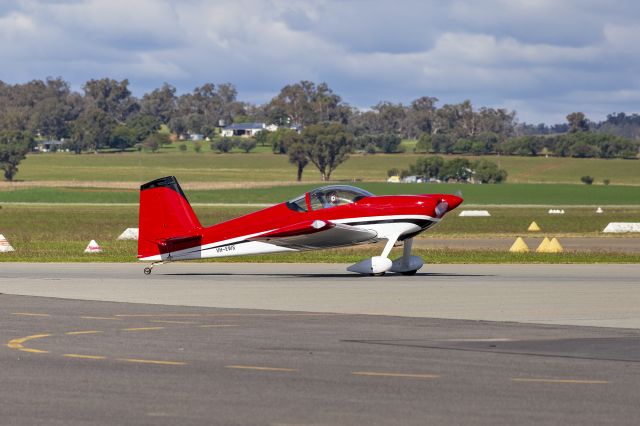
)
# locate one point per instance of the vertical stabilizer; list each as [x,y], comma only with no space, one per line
[164,214]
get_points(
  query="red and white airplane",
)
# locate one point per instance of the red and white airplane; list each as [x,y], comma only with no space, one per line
[327,217]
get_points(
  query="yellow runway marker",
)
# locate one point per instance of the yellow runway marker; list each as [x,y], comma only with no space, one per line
[151,361]
[103,318]
[73,333]
[29,314]
[566,381]
[142,328]
[173,322]
[218,325]
[17,343]
[403,375]
[84,356]
[255,367]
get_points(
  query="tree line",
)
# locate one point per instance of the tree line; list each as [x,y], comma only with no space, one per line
[106,115]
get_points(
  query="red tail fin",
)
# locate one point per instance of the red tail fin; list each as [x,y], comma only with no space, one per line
[164,214]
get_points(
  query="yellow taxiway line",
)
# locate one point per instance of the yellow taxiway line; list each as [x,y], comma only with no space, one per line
[142,328]
[259,368]
[402,375]
[565,381]
[84,356]
[17,343]
[151,361]
[30,314]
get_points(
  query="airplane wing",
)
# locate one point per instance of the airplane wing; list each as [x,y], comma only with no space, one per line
[316,234]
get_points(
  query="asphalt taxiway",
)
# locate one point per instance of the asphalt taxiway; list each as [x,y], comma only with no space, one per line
[458,344]
[67,362]
[597,295]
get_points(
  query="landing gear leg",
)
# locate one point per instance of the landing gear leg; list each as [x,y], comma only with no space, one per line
[377,265]
[407,264]
[147,270]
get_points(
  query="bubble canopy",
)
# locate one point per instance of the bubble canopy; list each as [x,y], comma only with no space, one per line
[327,197]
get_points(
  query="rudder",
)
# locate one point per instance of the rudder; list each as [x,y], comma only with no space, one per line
[164,215]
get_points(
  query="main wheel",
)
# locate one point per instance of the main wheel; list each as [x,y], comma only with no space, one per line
[379,274]
[409,272]
[147,271]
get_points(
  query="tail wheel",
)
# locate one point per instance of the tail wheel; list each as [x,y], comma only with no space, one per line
[147,271]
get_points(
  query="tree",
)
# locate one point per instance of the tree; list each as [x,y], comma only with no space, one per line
[14,146]
[419,117]
[327,146]
[280,139]
[247,144]
[143,125]
[489,172]
[457,169]
[154,141]
[429,167]
[160,103]
[262,138]
[587,180]
[122,138]
[151,144]
[112,97]
[297,155]
[92,130]
[306,103]
[423,144]
[577,122]
[223,145]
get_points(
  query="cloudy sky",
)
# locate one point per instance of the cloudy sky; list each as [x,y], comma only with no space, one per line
[543,58]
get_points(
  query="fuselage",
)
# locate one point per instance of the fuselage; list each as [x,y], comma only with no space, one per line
[404,215]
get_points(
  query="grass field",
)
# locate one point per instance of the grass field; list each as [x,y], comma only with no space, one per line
[264,166]
[539,194]
[60,233]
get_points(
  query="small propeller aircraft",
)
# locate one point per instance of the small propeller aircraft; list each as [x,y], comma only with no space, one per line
[326,217]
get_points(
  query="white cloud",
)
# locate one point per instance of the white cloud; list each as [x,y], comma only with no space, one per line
[544,57]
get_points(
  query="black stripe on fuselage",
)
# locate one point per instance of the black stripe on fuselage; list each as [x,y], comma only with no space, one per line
[422,223]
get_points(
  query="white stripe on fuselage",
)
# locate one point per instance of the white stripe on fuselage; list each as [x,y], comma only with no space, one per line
[238,246]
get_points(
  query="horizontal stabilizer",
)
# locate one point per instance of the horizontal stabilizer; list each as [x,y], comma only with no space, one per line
[167,245]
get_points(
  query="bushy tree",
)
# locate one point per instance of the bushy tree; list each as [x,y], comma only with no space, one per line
[423,144]
[223,145]
[247,144]
[524,145]
[154,141]
[457,169]
[488,172]
[92,130]
[587,180]
[327,146]
[123,137]
[14,146]
[429,167]
[281,139]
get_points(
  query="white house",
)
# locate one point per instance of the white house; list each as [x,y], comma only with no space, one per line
[243,129]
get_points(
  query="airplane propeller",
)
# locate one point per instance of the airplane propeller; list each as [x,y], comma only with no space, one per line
[442,208]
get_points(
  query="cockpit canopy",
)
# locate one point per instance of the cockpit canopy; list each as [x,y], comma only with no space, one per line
[327,196]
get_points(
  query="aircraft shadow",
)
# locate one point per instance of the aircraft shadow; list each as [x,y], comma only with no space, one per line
[339,275]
